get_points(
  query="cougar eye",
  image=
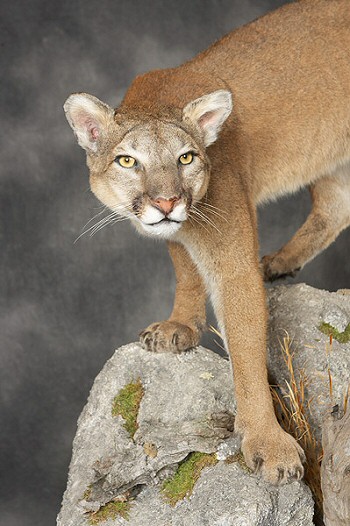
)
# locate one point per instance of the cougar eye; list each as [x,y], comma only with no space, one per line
[125,161]
[186,158]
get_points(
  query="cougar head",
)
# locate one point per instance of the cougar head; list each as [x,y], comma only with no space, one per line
[151,168]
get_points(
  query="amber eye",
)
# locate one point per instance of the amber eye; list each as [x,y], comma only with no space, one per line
[186,158]
[125,161]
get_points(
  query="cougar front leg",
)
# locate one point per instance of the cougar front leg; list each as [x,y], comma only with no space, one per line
[330,214]
[239,302]
[182,331]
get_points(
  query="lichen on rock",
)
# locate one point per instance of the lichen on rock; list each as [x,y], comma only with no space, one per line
[181,484]
[329,330]
[111,510]
[239,458]
[127,403]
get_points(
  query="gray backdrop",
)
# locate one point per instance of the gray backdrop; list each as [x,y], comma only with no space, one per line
[65,307]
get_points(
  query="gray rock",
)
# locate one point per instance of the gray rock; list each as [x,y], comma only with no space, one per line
[227,496]
[228,448]
[336,317]
[336,470]
[298,310]
[187,406]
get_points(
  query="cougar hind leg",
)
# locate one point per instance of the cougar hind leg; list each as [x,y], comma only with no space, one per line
[330,215]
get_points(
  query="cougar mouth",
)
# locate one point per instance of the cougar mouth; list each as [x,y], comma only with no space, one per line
[165,220]
[164,228]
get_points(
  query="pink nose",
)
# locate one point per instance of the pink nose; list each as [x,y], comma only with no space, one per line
[165,205]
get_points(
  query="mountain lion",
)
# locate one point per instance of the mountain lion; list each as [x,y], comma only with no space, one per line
[192,151]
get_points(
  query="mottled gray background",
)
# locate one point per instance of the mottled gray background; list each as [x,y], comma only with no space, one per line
[65,307]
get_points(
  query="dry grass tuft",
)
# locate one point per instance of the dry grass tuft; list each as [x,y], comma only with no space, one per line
[215,331]
[346,399]
[292,410]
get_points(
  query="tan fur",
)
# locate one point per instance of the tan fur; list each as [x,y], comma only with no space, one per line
[289,74]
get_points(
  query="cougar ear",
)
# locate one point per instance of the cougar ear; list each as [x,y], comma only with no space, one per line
[209,113]
[89,118]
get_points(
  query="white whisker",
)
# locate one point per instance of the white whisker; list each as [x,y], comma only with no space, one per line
[204,218]
[197,221]
[212,211]
[94,217]
[212,206]
[114,217]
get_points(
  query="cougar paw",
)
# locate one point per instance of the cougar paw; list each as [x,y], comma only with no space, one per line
[277,457]
[274,267]
[169,336]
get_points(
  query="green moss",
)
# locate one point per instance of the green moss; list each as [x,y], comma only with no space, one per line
[87,492]
[181,484]
[341,337]
[111,510]
[127,404]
